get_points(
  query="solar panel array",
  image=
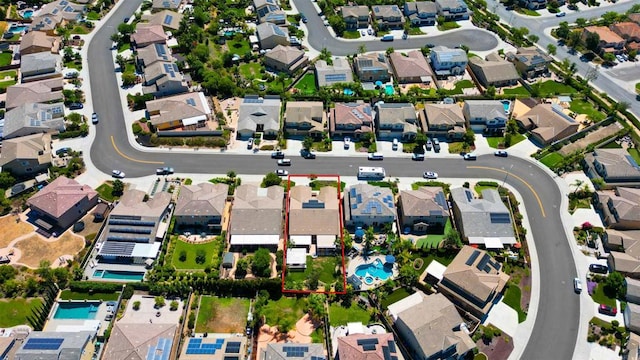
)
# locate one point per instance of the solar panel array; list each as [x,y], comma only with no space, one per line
[43,344]
[116,248]
[233,347]
[161,351]
[131,222]
[168,19]
[441,200]
[231,358]
[137,239]
[335,78]
[197,347]
[367,344]
[500,218]
[295,351]
[315,357]
[161,51]
[472,258]
[131,230]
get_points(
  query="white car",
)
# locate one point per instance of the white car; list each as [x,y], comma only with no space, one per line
[281,172]
[117,174]
[347,143]
[430,175]
[94,118]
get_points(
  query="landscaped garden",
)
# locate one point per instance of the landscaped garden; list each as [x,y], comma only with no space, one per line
[551,160]
[195,256]
[222,315]
[14,312]
[326,270]
[460,85]
[585,107]
[5,58]
[105,191]
[498,142]
[74,295]
[284,309]
[512,298]
[307,85]
[433,241]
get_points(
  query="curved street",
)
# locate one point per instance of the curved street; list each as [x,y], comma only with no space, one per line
[557,319]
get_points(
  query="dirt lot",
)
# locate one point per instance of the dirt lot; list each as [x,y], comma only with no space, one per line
[224,315]
[498,349]
[591,138]
[90,227]
[33,249]
[12,230]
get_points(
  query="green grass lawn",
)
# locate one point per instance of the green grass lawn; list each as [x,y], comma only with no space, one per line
[276,85]
[463,84]
[92,15]
[600,297]
[520,90]
[448,25]
[317,184]
[6,84]
[72,295]
[340,315]
[238,47]
[495,141]
[551,160]
[528,12]
[124,47]
[551,87]
[9,73]
[395,296]
[351,34]
[250,71]
[432,241]
[191,251]
[635,154]
[478,188]
[638,87]
[512,299]
[105,190]
[326,265]
[80,30]
[213,309]
[307,85]
[74,65]
[5,59]
[14,312]
[284,308]
[585,107]
[480,356]
[415,31]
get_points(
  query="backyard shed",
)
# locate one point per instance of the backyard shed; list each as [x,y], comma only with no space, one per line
[227,260]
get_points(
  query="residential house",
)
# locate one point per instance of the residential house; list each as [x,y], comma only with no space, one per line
[421,13]
[430,327]
[163,78]
[148,55]
[38,41]
[165,4]
[485,221]
[443,120]
[58,12]
[619,208]
[635,17]
[305,118]
[339,72]
[350,120]
[256,217]
[33,118]
[43,91]
[396,121]
[271,35]
[610,42]
[624,251]
[355,17]
[423,208]
[453,10]
[188,110]
[547,123]
[40,66]
[287,59]
[533,4]
[169,20]
[221,347]
[632,351]
[147,34]
[446,62]
[485,115]
[62,202]
[201,206]
[632,317]
[387,16]
[269,11]
[612,165]
[372,67]
[530,62]
[474,282]
[629,31]
[314,219]
[61,345]
[135,229]
[633,290]
[412,68]
[494,71]
[27,155]
[368,346]
[367,205]
[277,351]
[257,114]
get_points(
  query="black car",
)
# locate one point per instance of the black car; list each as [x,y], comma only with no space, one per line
[597,268]
[307,154]
[277,155]
[430,45]
[76,106]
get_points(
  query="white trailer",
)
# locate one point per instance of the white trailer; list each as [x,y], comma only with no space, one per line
[369,172]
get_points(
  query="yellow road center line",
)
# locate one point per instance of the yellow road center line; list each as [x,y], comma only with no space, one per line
[113,142]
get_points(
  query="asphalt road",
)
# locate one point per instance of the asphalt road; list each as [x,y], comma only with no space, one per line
[556,326]
[319,37]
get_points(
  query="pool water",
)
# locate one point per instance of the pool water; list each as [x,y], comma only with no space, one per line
[506,105]
[119,275]
[76,310]
[388,89]
[27,14]
[348,92]
[16,29]
[376,269]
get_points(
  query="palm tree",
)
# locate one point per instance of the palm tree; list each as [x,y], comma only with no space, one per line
[362,49]
[577,183]
[369,237]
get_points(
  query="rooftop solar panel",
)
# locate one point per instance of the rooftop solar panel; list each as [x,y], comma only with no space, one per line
[472,258]
[168,19]
[386,353]
[43,344]
[392,346]
[483,261]
[367,341]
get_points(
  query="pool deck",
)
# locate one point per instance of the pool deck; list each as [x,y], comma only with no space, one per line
[360,260]
[72,325]
[88,272]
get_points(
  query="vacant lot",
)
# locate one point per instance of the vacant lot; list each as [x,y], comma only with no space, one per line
[11,230]
[33,249]
[222,315]
[15,311]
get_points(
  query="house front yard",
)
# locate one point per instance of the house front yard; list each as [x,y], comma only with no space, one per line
[551,160]
[586,108]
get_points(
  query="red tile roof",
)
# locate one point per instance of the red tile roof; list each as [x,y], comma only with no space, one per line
[61,195]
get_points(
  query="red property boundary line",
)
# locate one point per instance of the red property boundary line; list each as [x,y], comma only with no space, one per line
[286,236]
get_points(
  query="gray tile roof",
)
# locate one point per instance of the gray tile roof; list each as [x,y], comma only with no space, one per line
[257,211]
[40,62]
[204,199]
[132,204]
[166,18]
[278,351]
[256,111]
[32,118]
[36,146]
[355,11]
[338,72]
[444,114]
[314,215]
[396,113]
[617,163]
[267,29]
[633,288]
[72,347]
[485,109]
[494,70]
[487,217]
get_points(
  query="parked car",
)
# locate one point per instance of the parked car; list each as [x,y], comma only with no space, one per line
[117,174]
[164,171]
[561,14]
[417,157]
[277,155]
[501,153]
[470,156]
[281,172]
[405,36]
[63,151]
[249,331]
[598,268]
[75,106]
[250,144]
[284,162]
[577,285]
[375,156]
[607,310]
[430,175]
[370,31]
[94,118]
[71,75]
[363,33]
[307,154]
[347,143]
[429,144]
[394,145]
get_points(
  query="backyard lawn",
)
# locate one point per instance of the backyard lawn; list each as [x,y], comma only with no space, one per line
[307,85]
[551,87]
[250,71]
[325,265]
[194,256]
[340,315]
[600,297]
[222,315]
[585,107]
[14,312]
[635,154]
[238,47]
[5,58]
[512,299]
[520,90]
[551,160]
[462,84]
[72,295]
[432,241]
[395,296]
[290,309]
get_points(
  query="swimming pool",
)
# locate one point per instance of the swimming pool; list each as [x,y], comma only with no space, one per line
[388,89]
[27,14]
[376,269]
[119,275]
[506,104]
[16,29]
[76,310]
[347,92]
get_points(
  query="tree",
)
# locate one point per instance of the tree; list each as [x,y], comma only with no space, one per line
[307,143]
[533,38]
[563,30]
[128,79]
[551,49]
[261,264]
[182,256]
[117,188]
[362,48]
[369,238]
[6,180]
[619,106]
[68,54]
[609,58]
[452,239]
[491,91]
[285,324]
[271,179]
[201,256]
[116,37]
[242,267]
[201,51]
[577,183]
[316,306]
[615,285]
[592,41]
[632,54]
[313,279]
[581,22]
[126,29]
[173,306]
[231,174]
[421,138]
[609,17]
[325,55]
[337,24]
[159,301]
[136,305]
[7,272]
[574,39]
[408,275]
[390,50]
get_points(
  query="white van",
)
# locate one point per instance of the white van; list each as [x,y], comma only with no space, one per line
[376,156]
[395,145]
